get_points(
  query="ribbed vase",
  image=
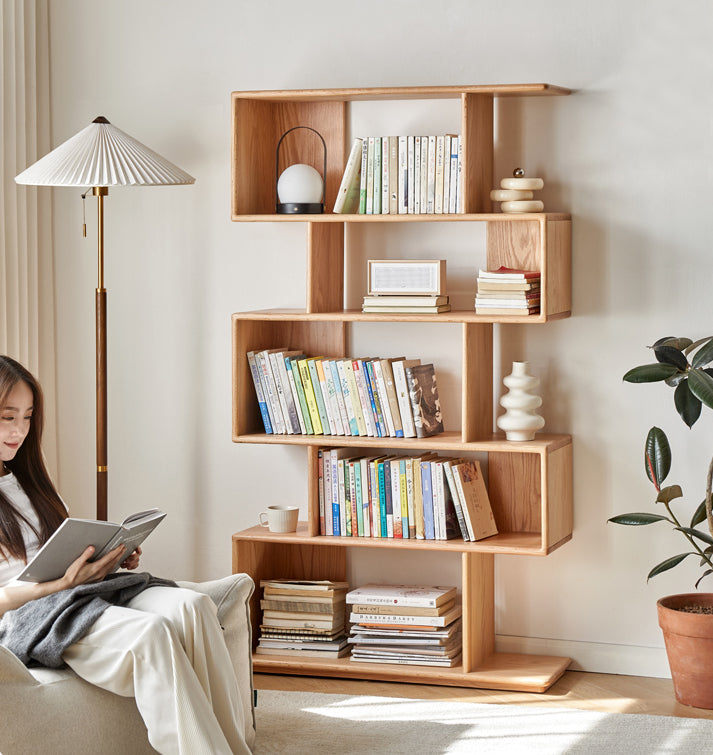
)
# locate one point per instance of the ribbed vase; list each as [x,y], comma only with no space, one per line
[520,421]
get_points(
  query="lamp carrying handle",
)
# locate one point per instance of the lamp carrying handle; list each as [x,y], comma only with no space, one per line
[324,147]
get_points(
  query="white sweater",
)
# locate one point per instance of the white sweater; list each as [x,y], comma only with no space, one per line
[18,498]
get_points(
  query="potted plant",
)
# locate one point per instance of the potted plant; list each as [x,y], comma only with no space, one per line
[686,620]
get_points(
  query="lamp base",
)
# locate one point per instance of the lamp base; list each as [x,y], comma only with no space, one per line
[300,208]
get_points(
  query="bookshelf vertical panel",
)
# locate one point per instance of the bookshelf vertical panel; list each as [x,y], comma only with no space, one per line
[515,487]
[267,560]
[557,514]
[478,594]
[477,135]
[254,142]
[516,243]
[313,521]
[477,381]
[557,267]
[325,267]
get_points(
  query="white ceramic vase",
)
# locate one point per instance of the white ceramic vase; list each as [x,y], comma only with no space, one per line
[520,421]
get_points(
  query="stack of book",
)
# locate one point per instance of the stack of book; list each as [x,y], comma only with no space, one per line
[507,291]
[379,398]
[303,618]
[402,175]
[425,497]
[404,624]
[401,303]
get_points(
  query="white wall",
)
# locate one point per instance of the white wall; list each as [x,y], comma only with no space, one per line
[629,155]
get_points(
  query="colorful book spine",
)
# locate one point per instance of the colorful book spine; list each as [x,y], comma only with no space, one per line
[252,363]
[304,410]
[319,398]
[428,516]
[309,396]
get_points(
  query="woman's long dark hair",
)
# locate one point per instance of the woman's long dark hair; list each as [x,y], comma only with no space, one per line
[29,468]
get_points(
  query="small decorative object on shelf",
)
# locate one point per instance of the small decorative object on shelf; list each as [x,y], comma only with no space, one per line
[415,625]
[406,286]
[506,291]
[520,421]
[515,194]
[299,188]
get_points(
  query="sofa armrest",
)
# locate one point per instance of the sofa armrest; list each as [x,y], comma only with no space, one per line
[13,670]
[232,597]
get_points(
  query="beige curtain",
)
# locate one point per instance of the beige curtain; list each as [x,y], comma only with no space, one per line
[27,313]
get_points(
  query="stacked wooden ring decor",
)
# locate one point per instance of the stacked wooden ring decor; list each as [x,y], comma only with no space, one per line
[516,194]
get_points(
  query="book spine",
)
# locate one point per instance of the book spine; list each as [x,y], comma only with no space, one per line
[339,396]
[357,366]
[381,464]
[385,409]
[362,180]
[446,172]
[252,363]
[457,504]
[418,500]
[410,498]
[365,498]
[380,618]
[438,207]
[295,397]
[374,498]
[304,410]
[423,186]
[336,514]
[403,175]
[453,196]
[330,391]
[431,185]
[319,399]
[439,510]
[385,175]
[377,176]
[274,365]
[371,387]
[410,172]
[354,396]
[461,495]
[427,495]
[290,406]
[404,401]
[358,514]
[393,175]
[320,491]
[395,499]
[460,207]
[328,504]
[389,501]
[346,394]
[403,499]
[309,396]
[349,178]
[417,175]
[392,398]
[278,422]
[345,509]
[370,176]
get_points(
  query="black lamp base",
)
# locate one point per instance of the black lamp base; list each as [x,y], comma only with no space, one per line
[300,208]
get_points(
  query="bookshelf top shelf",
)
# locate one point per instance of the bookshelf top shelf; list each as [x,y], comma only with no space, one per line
[404,93]
[470,217]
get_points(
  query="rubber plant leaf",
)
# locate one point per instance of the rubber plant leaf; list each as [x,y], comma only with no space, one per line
[657,456]
[667,494]
[650,373]
[705,355]
[669,563]
[699,515]
[687,405]
[669,355]
[636,519]
[705,574]
[701,385]
[677,343]
[704,536]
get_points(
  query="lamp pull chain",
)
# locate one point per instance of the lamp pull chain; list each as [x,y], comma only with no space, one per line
[84,214]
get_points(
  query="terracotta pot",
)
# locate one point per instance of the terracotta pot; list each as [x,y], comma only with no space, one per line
[689,645]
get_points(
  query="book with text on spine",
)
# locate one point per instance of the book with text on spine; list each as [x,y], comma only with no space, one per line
[426,596]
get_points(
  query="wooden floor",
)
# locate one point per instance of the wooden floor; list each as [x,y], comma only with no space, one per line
[576,689]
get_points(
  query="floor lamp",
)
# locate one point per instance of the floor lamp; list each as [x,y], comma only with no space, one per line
[100,156]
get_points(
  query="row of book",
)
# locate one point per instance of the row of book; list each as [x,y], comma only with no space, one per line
[425,497]
[406,624]
[403,624]
[507,291]
[303,618]
[414,304]
[402,175]
[378,398]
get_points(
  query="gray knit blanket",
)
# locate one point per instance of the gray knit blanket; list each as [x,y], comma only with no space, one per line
[41,630]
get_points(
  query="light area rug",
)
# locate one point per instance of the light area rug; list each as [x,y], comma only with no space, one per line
[300,722]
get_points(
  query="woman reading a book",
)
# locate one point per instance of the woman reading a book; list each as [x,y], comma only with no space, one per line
[164,646]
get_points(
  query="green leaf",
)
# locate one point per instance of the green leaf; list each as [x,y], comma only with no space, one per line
[638,519]
[669,563]
[676,343]
[650,373]
[687,405]
[704,536]
[669,355]
[705,574]
[657,456]
[699,515]
[667,494]
[705,355]
[701,385]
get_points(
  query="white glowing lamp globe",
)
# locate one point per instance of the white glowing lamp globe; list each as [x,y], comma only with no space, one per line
[299,190]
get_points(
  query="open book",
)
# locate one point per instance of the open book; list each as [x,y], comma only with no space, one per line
[74,535]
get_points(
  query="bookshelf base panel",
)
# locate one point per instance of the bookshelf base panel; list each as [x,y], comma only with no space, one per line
[505,671]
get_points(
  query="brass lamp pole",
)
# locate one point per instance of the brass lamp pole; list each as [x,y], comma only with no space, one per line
[100,156]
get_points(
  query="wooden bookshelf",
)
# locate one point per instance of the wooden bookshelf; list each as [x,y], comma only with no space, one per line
[529,483]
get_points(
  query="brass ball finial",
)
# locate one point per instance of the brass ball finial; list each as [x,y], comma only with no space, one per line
[518,173]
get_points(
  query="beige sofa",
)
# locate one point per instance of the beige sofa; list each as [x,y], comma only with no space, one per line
[54,711]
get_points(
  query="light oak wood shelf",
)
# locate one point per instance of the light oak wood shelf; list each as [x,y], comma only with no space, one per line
[529,483]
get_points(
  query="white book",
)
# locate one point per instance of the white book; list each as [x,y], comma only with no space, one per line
[278,421]
[377,176]
[396,517]
[439,503]
[402,396]
[417,175]
[346,397]
[358,369]
[440,156]
[410,498]
[403,175]
[295,397]
[365,495]
[384,397]
[459,187]
[370,176]
[446,172]
[393,175]
[458,502]
[362,179]
[73,536]
[289,407]
[348,194]
[335,416]
[259,392]
[385,175]
[453,196]
[327,492]
[423,186]
[411,173]
[344,416]
[431,186]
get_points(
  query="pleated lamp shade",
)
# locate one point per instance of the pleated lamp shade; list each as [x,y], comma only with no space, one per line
[103,155]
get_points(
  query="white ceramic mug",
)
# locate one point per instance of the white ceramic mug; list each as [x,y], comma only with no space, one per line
[280,518]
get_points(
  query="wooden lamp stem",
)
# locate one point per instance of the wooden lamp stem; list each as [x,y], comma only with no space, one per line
[101,415]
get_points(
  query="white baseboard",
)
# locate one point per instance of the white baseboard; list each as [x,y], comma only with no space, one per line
[602,658]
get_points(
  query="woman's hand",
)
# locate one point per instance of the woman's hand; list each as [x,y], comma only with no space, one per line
[82,570]
[133,560]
